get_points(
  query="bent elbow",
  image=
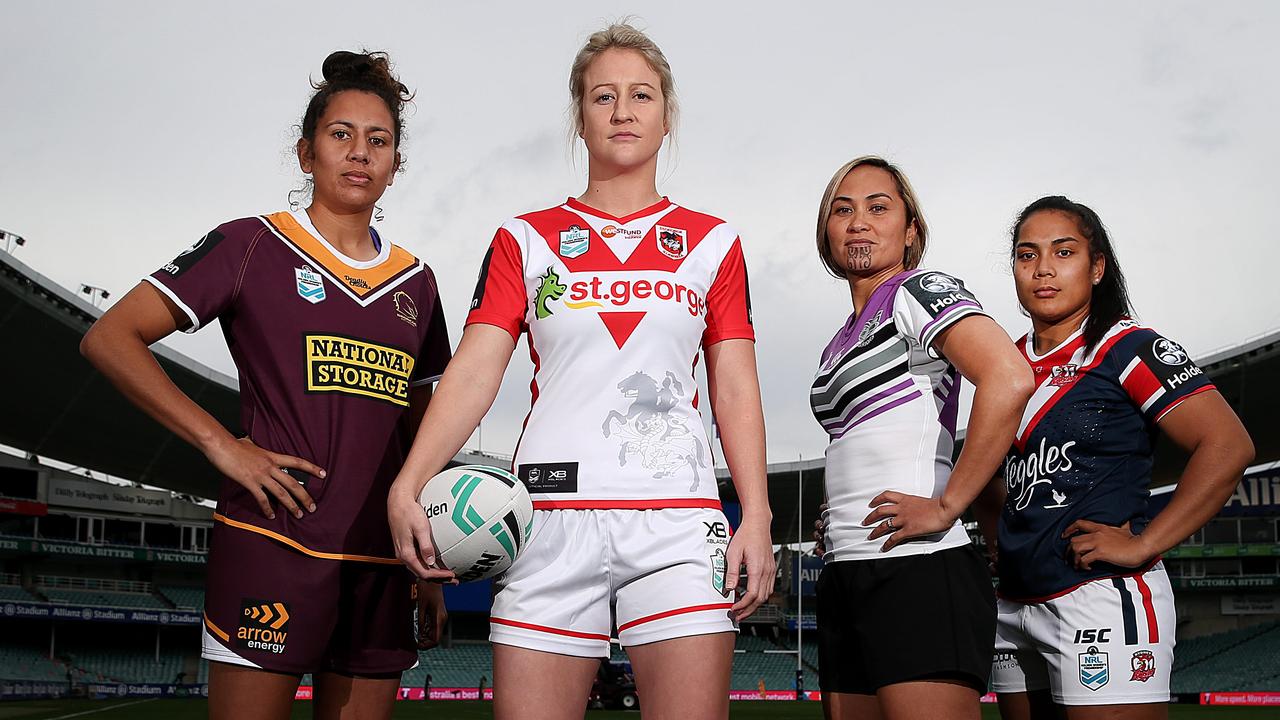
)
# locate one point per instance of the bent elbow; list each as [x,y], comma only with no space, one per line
[1022,384]
[1247,452]
[90,342]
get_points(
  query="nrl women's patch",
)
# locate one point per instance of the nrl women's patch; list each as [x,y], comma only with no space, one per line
[574,242]
[310,284]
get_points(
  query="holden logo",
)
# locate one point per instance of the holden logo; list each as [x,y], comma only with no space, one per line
[938,283]
[1169,352]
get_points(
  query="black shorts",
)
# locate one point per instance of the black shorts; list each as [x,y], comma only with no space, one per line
[894,620]
[271,606]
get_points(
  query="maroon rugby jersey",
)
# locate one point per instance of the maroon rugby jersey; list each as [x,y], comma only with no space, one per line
[327,349]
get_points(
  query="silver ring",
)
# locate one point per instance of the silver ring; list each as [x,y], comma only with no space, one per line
[889,522]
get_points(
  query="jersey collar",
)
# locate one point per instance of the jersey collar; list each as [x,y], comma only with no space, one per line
[575,204]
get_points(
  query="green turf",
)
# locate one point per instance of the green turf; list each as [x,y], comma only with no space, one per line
[456,710]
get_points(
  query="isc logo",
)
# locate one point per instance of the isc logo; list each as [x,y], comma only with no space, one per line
[1100,635]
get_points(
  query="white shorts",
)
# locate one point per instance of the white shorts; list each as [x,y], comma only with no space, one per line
[650,574]
[1107,642]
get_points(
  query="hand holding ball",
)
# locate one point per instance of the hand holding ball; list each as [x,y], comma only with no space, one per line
[480,519]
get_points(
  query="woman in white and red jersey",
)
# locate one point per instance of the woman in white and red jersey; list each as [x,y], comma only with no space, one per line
[619,290]
[1085,624]
[905,608]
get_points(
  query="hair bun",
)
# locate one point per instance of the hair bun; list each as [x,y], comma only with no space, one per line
[345,65]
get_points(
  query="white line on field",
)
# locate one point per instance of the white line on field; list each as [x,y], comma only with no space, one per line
[103,709]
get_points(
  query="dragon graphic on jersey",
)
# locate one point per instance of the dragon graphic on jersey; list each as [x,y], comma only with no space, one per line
[550,289]
[664,443]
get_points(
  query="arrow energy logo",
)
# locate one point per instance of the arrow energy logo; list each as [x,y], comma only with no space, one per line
[263,625]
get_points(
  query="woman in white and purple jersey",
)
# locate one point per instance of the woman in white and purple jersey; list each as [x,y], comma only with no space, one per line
[1085,624]
[905,606]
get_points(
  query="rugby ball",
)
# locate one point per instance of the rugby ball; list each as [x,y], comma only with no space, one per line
[481,518]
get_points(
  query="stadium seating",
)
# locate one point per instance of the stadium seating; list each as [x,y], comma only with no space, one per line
[30,664]
[13,593]
[104,598]
[139,666]
[184,597]
[1235,661]
[457,666]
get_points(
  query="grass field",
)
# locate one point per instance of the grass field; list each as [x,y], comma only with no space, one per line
[451,710]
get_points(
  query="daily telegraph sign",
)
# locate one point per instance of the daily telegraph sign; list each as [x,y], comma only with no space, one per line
[64,492]
[44,611]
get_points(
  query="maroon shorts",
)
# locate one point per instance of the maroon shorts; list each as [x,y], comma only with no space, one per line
[271,606]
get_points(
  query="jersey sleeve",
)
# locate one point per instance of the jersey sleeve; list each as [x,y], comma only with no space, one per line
[435,353]
[930,302]
[1158,374]
[205,278]
[500,297]
[729,300]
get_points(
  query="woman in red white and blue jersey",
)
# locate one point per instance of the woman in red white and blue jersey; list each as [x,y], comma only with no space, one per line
[1085,612]
[619,292]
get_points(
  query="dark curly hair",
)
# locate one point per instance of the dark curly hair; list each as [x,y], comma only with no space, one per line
[1110,301]
[367,72]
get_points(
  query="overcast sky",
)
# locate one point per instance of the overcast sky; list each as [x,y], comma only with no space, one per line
[132,128]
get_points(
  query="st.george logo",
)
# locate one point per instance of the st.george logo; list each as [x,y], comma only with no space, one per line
[672,242]
[310,284]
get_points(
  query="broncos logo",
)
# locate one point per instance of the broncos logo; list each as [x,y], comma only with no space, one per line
[550,289]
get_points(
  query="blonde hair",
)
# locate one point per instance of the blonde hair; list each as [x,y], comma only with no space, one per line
[913,253]
[623,36]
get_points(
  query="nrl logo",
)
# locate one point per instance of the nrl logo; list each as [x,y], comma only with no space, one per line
[406,308]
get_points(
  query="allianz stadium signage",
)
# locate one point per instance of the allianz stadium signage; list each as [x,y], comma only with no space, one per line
[101,552]
[45,611]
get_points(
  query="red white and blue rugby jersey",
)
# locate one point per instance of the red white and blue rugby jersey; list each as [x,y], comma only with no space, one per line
[1083,450]
[327,349]
[617,310]
[888,400]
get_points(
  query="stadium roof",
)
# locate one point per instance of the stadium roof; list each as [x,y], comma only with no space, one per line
[60,407]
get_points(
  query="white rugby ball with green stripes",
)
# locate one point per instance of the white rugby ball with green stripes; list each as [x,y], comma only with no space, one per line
[481,518]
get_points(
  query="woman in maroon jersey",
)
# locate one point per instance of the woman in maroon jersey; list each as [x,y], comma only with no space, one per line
[337,336]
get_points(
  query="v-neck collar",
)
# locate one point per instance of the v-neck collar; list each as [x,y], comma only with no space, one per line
[576,204]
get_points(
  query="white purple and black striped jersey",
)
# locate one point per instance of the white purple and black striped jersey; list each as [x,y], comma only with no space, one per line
[888,400]
[1084,449]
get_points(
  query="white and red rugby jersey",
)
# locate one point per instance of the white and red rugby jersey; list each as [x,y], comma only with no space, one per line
[617,310]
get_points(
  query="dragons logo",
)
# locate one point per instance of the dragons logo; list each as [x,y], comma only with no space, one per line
[550,289]
[648,429]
